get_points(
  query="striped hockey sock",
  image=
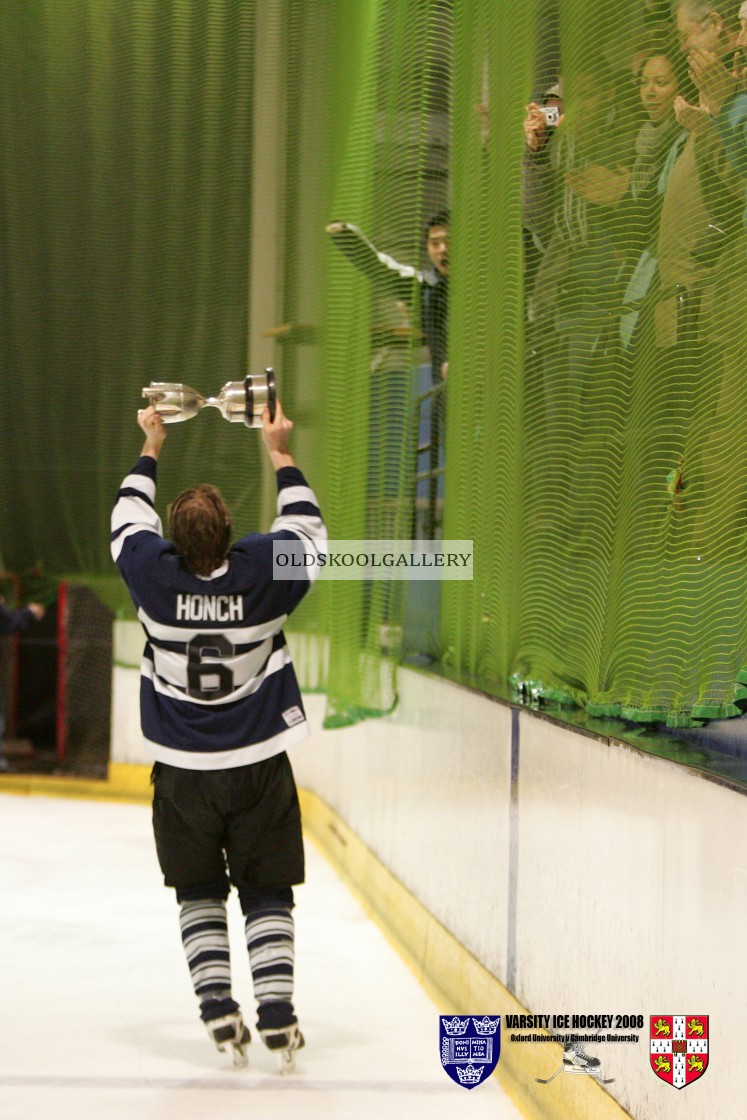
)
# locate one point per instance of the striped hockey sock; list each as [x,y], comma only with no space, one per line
[269,939]
[205,937]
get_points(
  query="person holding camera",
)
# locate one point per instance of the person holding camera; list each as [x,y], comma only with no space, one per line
[541,119]
[220,705]
[575,174]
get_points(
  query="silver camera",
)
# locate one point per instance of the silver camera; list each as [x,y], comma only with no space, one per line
[551,113]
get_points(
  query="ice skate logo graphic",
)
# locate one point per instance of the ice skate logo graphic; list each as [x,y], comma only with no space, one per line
[470,1047]
[679,1048]
[576,1060]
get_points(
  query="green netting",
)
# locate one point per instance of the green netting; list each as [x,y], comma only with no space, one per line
[633,485]
[391,175]
[169,169]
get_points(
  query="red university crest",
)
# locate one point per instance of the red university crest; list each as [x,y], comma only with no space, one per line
[679,1048]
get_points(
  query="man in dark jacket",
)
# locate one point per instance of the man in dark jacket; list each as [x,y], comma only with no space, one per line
[396,279]
[13,622]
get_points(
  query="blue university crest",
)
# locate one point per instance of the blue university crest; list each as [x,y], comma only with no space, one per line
[470,1047]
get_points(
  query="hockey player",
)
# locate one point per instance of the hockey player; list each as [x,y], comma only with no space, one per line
[219,706]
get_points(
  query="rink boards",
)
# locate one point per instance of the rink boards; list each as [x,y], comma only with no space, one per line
[523,866]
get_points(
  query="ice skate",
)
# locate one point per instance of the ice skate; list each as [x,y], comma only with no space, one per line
[230,1034]
[575,1056]
[284,1043]
[576,1060]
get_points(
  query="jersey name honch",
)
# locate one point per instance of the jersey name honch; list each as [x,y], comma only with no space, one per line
[209,608]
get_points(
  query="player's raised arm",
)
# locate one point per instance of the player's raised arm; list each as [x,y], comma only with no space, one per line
[298,508]
[275,434]
[134,509]
[388,274]
[155,431]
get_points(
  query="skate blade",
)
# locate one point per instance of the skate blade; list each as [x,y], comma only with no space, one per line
[575,1069]
[286,1062]
[238,1054]
[239,1057]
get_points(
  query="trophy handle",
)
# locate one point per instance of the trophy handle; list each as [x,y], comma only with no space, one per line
[269,379]
[173,401]
[271,392]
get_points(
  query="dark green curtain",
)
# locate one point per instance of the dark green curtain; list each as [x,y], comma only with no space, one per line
[125,188]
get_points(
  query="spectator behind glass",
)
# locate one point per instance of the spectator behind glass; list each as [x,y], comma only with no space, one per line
[707,25]
[14,622]
[540,121]
[726,97]
[718,127]
[699,205]
[574,179]
[722,95]
[709,34]
[658,87]
[659,84]
[396,279]
[580,165]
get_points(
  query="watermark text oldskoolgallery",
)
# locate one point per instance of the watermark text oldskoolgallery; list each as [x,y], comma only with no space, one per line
[381,559]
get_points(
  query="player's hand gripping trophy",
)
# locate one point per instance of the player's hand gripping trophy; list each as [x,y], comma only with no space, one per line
[238,401]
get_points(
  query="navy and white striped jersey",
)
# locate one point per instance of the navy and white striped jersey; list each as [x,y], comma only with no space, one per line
[217,685]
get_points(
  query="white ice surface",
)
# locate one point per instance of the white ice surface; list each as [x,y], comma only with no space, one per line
[98,1018]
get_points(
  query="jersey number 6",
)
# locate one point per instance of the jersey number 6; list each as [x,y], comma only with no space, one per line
[207,677]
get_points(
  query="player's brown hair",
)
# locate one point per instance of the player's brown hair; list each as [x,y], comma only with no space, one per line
[200,526]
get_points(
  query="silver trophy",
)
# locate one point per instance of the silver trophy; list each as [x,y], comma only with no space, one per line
[238,401]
